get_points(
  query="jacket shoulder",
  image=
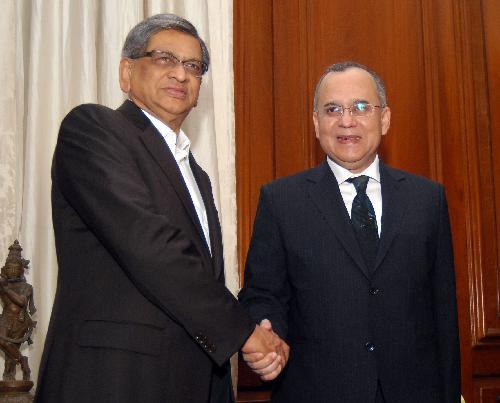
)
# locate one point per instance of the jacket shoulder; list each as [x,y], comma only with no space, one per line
[417,180]
[291,181]
[92,119]
[89,111]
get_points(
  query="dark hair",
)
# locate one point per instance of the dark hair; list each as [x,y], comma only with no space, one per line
[343,66]
[138,37]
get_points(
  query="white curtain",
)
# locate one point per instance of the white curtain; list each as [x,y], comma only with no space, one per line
[61,53]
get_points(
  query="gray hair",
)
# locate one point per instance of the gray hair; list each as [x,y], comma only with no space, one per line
[138,37]
[343,66]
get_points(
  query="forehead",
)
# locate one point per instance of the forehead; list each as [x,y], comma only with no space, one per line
[348,85]
[180,43]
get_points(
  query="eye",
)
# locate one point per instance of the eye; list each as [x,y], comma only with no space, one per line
[192,66]
[361,107]
[165,59]
[334,110]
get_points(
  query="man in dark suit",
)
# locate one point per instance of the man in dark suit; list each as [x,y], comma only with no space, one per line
[352,264]
[141,313]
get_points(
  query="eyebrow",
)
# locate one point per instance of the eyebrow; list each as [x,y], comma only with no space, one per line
[331,103]
[192,59]
[361,100]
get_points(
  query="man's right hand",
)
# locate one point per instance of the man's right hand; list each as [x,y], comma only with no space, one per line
[265,352]
[261,341]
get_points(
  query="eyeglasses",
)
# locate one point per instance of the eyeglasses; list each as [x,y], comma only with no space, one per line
[168,60]
[358,109]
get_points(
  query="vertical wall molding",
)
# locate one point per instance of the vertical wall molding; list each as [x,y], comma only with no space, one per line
[293,133]
[254,111]
[432,92]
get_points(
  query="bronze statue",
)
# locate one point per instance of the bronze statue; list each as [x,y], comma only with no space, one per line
[16,324]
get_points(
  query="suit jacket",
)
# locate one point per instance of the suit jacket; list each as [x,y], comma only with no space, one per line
[141,313]
[349,327]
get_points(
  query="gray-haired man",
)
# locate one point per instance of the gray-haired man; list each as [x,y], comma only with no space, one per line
[141,313]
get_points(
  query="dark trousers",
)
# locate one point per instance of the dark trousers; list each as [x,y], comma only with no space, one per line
[221,389]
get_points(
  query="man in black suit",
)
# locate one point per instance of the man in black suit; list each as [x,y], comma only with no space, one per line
[352,264]
[141,313]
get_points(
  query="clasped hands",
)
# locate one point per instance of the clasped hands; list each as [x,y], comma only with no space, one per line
[265,352]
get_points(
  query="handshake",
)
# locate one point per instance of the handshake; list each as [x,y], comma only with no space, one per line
[265,352]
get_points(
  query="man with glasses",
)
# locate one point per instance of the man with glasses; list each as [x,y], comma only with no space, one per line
[352,264]
[141,313]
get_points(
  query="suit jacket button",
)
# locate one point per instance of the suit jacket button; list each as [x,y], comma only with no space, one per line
[370,347]
[374,291]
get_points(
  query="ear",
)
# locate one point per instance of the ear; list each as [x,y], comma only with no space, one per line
[125,74]
[386,120]
[316,123]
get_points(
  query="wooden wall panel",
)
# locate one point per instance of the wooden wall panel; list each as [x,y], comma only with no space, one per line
[451,131]
[489,151]
[441,64]
[486,391]
[254,110]
[387,37]
[293,132]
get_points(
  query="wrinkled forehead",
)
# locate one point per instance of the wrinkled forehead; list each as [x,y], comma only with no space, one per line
[179,42]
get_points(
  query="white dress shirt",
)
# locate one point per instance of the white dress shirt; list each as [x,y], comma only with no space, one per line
[179,147]
[348,191]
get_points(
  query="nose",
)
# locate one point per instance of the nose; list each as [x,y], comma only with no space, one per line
[346,119]
[178,72]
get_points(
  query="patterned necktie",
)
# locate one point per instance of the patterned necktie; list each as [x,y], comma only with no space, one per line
[364,221]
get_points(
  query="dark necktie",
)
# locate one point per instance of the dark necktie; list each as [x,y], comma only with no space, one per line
[364,221]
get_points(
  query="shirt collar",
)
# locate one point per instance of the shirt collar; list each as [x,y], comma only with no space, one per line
[342,174]
[178,144]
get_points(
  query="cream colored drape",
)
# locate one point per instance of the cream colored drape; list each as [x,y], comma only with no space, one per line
[60,53]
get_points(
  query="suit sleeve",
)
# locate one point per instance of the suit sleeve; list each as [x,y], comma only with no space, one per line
[445,307]
[266,290]
[96,172]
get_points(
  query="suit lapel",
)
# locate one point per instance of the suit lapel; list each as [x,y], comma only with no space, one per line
[325,193]
[212,217]
[394,207]
[156,146]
